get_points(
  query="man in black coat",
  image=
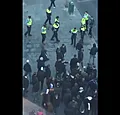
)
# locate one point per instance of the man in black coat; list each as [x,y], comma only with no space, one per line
[25,85]
[59,54]
[40,63]
[79,45]
[44,55]
[80,56]
[93,52]
[28,70]
[63,49]
[41,77]
[73,63]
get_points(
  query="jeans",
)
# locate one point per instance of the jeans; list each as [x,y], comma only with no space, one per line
[52,3]
[29,77]
[73,40]
[43,37]
[28,30]
[48,19]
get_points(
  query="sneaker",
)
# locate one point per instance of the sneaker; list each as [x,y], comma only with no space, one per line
[30,35]
[54,7]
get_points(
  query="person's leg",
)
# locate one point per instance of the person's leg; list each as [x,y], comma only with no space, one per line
[29,30]
[75,42]
[53,36]
[26,31]
[50,20]
[93,59]
[54,3]
[71,39]
[42,82]
[56,36]
[46,21]
[30,77]
[43,38]
[90,58]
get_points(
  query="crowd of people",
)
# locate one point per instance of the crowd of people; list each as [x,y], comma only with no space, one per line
[77,88]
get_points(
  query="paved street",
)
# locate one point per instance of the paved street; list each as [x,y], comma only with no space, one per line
[32,45]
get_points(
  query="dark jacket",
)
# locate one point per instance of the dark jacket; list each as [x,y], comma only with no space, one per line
[47,72]
[68,111]
[79,46]
[59,66]
[80,55]
[36,85]
[44,55]
[59,56]
[40,75]
[93,50]
[40,64]
[25,83]
[63,49]
[56,100]
[27,68]
[74,91]
[73,62]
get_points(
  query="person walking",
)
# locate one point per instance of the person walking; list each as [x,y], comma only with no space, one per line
[48,13]
[29,25]
[74,35]
[63,49]
[43,33]
[91,27]
[52,3]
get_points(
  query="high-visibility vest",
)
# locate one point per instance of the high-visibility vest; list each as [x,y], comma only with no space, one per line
[86,16]
[43,30]
[74,31]
[48,11]
[83,28]
[56,20]
[55,26]
[29,22]
[83,21]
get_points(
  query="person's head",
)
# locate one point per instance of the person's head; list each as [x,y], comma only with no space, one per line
[41,68]
[57,17]
[86,12]
[76,84]
[74,28]
[26,77]
[44,25]
[63,44]
[29,17]
[75,56]
[94,45]
[41,58]
[27,61]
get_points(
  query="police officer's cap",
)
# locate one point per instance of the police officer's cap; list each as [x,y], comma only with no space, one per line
[57,16]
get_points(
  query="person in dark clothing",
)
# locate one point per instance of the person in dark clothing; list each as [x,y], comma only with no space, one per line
[40,63]
[44,55]
[47,71]
[41,77]
[79,45]
[94,72]
[80,57]
[67,97]
[48,14]
[91,23]
[88,104]
[74,90]
[73,63]
[25,85]
[89,70]
[28,70]
[93,52]
[35,88]
[59,54]
[63,49]
[59,68]
[48,81]
[52,3]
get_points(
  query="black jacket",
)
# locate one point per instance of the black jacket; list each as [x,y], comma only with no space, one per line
[27,68]
[79,46]
[59,66]
[47,72]
[80,55]
[41,75]
[25,83]
[93,50]
[40,64]
[73,62]
[35,87]
[63,49]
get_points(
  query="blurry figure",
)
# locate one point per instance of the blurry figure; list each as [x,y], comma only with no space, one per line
[44,55]
[79,45]
[59,54]
[47,72]
[43,33]
[80,57]
[52,3]
[41,76]
[93,52]
[73,63]
[63,49]
[25,85]
[40,63]
[74,90]
[28,70]
[91,23]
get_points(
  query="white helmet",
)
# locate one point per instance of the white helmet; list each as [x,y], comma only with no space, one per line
[27,61]
[41,58]
[41,68]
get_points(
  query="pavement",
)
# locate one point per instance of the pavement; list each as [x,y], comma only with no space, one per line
[32,45]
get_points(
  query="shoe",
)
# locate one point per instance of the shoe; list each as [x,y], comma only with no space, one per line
[30,35]
[58,41]
[54,7]
[25,35]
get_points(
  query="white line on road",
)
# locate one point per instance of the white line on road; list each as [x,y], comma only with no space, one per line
[85,0]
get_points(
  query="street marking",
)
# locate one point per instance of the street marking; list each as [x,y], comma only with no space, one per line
[85,0]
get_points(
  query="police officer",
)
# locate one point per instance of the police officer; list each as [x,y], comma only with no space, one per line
[91,26]
[48,13]
[57,19]
[73,37]
[86,16]
[82,29]
[29,24]
[43,33]
[83,21]
[55,30]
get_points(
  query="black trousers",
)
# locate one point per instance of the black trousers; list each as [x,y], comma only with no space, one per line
[86,25]
[42,82]
[73,40]
[90,32]
[43,37]
[28,30]
[55,34]
[48,19]
[52,3]
[82,35]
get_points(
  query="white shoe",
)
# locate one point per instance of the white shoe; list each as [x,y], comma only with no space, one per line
[53,7]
